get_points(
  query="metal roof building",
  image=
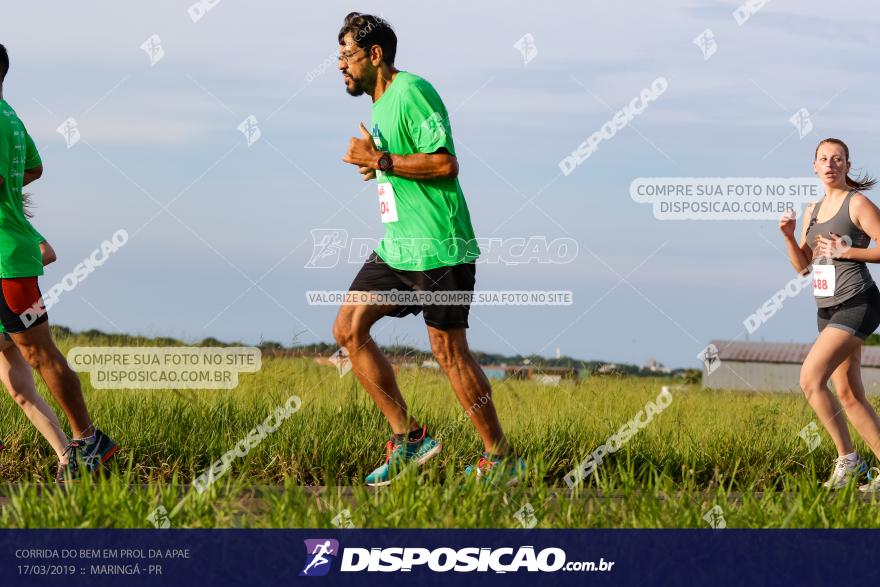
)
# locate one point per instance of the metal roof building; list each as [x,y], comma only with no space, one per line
[771,366]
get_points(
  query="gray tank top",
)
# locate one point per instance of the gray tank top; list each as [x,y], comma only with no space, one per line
[852,277]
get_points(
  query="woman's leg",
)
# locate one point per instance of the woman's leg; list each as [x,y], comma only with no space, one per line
[18,378]
[832,347]
[847,380]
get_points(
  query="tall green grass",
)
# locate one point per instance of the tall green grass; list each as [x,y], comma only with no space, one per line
[738,450]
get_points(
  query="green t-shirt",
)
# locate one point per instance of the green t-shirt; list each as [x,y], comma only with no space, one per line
[19,242]
[40,239]
[433,227]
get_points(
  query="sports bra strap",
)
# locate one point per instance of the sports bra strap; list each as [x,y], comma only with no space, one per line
[818,205]
[816,211]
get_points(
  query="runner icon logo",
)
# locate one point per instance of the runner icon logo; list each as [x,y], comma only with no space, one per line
[153,48]
[341,361]
[70,131]
[436,126]
[810,436]
[159,517]
[526,47]
[707,44]
[715,518]
[802,122]
[327,247]
[250,128]
[709,357]
[526,516]
[318,553]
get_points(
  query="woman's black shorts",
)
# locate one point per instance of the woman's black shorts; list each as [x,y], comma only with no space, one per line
[859,315]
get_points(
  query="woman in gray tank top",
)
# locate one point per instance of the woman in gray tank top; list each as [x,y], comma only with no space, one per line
[835,245]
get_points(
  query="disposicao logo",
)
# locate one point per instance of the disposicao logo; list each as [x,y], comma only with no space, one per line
[318,556]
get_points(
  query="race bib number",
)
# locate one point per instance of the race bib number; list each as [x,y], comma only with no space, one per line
[823,280]
[387,203]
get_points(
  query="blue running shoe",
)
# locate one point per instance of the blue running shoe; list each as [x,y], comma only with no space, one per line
[398,456]
[90,457]
[504,472]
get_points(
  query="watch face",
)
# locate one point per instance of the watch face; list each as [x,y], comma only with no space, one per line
[385,162]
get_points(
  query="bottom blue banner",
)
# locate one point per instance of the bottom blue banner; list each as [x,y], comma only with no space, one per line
[434,557]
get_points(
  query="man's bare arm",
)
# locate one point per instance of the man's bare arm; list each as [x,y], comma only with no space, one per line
[363,153]
[32,174]
[48,253]
[425,165]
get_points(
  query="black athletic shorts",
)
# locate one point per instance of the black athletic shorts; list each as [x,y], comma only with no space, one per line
[377,276]
[859,315]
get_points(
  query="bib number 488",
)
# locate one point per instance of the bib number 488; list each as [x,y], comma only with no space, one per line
[823,280]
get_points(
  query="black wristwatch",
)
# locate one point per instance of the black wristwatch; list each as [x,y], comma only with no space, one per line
[385,163]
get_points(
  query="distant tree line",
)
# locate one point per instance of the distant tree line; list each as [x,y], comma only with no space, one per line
[396,352]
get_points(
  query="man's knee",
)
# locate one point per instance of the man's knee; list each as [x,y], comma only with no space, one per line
[448,350]
[32,354]
[341,330]
[350,331]
[39,356]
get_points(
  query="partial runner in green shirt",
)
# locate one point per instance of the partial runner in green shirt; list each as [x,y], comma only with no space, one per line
[19,241]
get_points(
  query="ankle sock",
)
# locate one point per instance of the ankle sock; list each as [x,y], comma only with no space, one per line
[496,457]
[89,440]
[411,437]
[852,457]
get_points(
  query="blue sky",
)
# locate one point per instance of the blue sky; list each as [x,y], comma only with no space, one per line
[154,135]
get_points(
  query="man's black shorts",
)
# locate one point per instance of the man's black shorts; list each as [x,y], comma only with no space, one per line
[377,275]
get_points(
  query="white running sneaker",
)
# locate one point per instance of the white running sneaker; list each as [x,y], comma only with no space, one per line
[845,471]
[873,484]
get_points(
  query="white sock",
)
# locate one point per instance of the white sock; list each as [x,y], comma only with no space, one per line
[853,456]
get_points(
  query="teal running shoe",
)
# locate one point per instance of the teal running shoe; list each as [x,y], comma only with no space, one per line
[399,456]
[504,472]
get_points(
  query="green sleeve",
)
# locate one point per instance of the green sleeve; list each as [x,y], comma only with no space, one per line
[427,120]
[32,159]
[40,238]
[6,144]
[32,156]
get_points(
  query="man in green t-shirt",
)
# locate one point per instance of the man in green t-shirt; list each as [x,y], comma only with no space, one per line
[22,312]
[428,247]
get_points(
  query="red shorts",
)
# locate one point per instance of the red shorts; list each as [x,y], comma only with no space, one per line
[21,304]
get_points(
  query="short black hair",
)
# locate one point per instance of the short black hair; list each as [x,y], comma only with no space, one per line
[368,30]
[4,63]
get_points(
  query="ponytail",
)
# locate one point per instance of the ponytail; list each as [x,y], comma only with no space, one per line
[27,204]
[862,182]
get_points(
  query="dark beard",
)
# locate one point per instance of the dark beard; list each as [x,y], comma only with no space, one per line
[361,86]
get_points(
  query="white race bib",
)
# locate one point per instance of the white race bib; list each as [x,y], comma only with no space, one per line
[387,203]
[823,280]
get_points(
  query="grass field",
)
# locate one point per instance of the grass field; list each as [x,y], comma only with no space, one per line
[739,451]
